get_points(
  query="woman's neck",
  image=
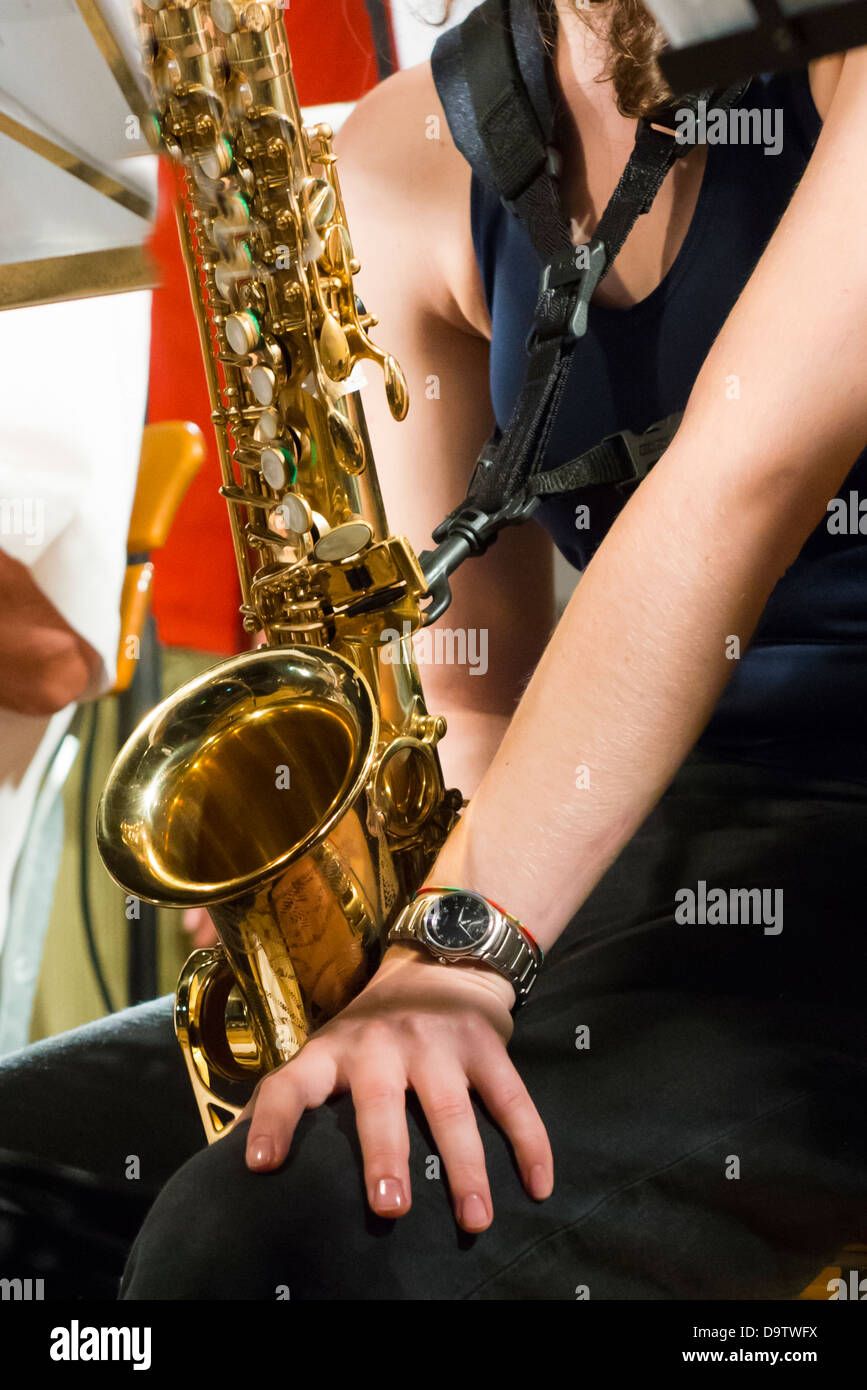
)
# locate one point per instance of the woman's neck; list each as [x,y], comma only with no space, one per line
[595,142]
[592,132]
[581,61]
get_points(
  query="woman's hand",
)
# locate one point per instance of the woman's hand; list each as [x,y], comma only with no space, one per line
[197,921]
[439,1031]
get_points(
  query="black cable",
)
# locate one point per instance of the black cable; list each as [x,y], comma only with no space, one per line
[85,830]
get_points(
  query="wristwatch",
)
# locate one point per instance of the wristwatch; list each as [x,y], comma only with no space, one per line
[456,925]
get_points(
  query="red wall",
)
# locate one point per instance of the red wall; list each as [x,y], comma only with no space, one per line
[196,593]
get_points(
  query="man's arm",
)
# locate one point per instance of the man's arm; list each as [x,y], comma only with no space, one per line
[44,663]
[638,662]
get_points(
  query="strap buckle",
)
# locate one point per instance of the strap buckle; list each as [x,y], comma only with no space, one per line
[581,268]
[642,451]
[467,531]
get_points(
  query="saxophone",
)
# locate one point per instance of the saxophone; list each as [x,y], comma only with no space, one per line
[296,790]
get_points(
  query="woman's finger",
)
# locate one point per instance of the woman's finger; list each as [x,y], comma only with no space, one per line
[377,1080]
[507,1100]
[443,1090]
[281,1099]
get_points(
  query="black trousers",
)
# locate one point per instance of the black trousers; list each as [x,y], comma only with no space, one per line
[703,1085]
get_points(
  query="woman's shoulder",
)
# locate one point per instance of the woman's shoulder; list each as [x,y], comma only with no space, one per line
[407,190]
[406,97]
[824,78]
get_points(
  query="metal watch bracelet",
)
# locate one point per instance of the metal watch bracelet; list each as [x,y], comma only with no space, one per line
[507,950]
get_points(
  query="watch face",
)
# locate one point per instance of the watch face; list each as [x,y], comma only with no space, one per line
[457,922]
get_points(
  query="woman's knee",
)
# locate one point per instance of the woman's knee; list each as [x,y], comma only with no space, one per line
[219,1231]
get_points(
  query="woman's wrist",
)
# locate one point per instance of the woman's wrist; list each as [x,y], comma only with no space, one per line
[405,957]
[462,864]
[453,865]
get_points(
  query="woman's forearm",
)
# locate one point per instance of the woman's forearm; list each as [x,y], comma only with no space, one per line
[643,651]
[622,692]
[470,746]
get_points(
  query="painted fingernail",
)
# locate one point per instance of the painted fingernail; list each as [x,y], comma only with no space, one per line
[539,1185]
[389,1195]
[260,1154]
[474,1213]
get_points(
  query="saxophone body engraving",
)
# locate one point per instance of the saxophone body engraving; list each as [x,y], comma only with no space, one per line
[295,791]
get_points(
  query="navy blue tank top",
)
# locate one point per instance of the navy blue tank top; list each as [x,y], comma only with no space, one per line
[798,694]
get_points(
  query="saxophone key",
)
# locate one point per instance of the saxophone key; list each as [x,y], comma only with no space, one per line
[239,96]
[268,426]
[337,255]
[256,17]
[334,349]
[234,220]
[243,332]
[229,276]
[347,442]
[319,201]
[279,467]
[224,16]
[166,73]
[214,191]
[217,161]
[293,514]
[344,542]
[263,384]
[396,389]
[268,372]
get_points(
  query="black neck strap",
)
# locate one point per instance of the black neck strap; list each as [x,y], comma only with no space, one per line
[524,167]
[519,154]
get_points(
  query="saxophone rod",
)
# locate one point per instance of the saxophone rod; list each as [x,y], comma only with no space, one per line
[214,393]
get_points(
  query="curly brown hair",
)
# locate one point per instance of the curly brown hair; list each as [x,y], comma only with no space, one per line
[634,40]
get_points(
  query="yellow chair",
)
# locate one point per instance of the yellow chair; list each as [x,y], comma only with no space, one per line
[172,453]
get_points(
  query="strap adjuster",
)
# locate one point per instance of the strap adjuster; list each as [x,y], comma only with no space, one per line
[551,165]
[664,121]
[579,268]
